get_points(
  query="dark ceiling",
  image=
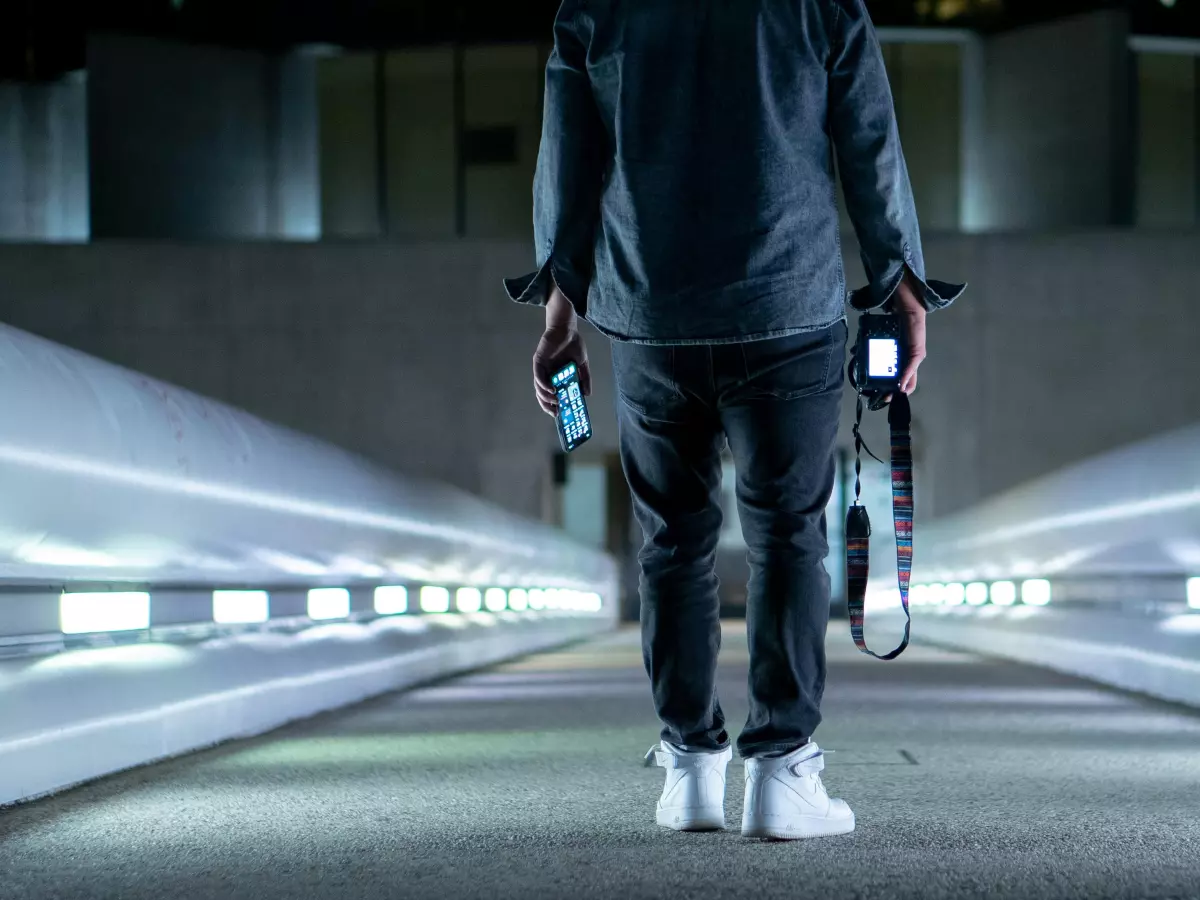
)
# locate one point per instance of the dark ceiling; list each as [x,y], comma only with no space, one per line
[41,39]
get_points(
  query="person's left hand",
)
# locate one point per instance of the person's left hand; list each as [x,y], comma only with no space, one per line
[561,343]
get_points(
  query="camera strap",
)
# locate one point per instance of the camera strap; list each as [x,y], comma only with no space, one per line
[858,523]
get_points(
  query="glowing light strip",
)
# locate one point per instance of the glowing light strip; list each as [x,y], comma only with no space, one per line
[240,607]
[328,603]
[391,600]
[434,599]
[92,613]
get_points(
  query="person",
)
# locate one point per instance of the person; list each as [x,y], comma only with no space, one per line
[685,205]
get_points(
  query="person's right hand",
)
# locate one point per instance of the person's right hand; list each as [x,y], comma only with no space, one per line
[908,306]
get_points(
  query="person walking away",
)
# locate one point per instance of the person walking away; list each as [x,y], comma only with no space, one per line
[685,205]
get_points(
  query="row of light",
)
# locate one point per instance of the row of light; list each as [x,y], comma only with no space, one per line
[1034,592]
[89,613]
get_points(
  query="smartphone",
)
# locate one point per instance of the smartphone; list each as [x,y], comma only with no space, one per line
[574,424]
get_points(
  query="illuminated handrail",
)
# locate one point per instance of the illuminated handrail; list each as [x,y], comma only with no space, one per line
[110,477]
[1134,511]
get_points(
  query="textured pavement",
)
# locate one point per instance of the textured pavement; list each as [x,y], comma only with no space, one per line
[970,778]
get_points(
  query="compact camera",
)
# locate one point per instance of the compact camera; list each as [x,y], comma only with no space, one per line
[878,358]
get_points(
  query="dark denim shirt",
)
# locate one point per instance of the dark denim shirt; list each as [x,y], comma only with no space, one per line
[685,184]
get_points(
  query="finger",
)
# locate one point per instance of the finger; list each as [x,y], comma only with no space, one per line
[909,382]
[546,396]
[541,375]
[585,378]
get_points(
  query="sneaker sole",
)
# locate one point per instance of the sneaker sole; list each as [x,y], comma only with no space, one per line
[697,819]
[797,827]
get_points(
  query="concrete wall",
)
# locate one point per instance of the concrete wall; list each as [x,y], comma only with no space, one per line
[1066,345]
[1059,129]
[421,144]
[502,87]
[199,142]
[43,161]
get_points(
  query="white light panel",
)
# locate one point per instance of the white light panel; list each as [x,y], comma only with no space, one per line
[88,613]
[977,593]
[435,599]
[956,594]
[391,600]
[1193,593]
[468,600]
[240,607]
[1004,593]
[518,599]
[495,600]
[537,599]
[1035,592]
[328,603]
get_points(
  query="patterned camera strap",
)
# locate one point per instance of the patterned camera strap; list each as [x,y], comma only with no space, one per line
[858,524]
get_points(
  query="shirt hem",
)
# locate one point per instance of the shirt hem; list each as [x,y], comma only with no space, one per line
[714,341]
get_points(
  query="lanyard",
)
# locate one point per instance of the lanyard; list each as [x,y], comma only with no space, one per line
[858,524]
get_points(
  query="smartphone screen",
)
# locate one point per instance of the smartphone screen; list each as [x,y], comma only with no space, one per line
[574,425]
[883,358]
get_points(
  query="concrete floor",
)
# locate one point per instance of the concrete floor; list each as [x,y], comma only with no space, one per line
[970,778]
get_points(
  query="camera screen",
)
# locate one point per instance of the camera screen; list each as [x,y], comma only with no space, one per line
[883,358]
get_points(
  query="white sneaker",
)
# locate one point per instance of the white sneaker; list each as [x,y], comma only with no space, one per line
[694,796]
[785,798]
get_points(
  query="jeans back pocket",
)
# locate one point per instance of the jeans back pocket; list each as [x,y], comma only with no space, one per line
[795,366]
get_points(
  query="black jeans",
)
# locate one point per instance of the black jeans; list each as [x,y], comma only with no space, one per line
[777,402]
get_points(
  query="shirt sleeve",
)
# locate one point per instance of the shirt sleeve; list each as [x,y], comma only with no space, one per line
[570,174]
[871,163]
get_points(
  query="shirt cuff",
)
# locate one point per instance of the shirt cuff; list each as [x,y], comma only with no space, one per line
[534,288]
[935,295]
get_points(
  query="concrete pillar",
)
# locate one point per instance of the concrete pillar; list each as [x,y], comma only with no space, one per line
[295,189]
[43,161]
[1059,134]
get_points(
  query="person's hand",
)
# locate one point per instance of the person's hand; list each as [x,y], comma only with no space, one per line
[908,306]
[561,343]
